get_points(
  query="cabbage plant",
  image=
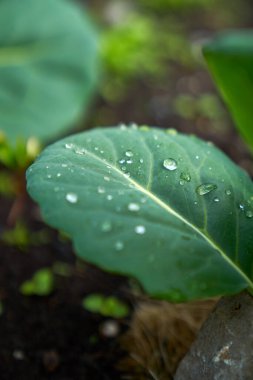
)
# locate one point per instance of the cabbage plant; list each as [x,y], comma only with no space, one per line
[167,209]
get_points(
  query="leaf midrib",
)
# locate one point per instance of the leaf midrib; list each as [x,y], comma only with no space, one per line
[167,208]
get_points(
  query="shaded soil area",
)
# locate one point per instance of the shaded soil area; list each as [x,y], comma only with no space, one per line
[54,337]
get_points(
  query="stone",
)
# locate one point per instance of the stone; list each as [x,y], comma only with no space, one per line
[224,346]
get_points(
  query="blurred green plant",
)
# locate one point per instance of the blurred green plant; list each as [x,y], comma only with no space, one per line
[20,154]
[22,237]
[206,105]
[62,269]
[41,283]
[141,47]
[176,4]
[106,306]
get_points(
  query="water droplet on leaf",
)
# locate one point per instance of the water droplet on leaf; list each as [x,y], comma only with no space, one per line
[71,197]
[106,226]
[185,177]
[129,153]
[205,188]
[133,207]
[249,214]
[69,146]
[119,245]
[170,164]
[101,190]
[216,199]
[80,151]
[140,229]
[171,131]
[228,192]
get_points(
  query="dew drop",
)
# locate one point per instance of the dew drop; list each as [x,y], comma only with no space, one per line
[133,207]
[122,161]
[69,146]
[205,188]
[109,197]
[185,177]
[58,174]
[96,148]
[141,160]
[129,153]
[216,199]
[228,192]
[170,164]
[106,178]
[197,157]
[241,207]
[49,176]
[71,197]
[171,131]
[64,165]
[133,125]
[106,226]
[140,229]
[127,175]
[119,245]
[129,161]
[249,214]
[101,190]
[80,151]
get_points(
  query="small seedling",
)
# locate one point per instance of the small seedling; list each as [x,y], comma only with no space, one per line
[106,306]
[41,283]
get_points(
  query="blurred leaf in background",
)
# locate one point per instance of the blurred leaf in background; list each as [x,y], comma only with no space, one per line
[48,67]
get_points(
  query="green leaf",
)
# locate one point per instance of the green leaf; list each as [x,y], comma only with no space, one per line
[41,283]
[168,209]
[230,60]
[106,306]
[48,66]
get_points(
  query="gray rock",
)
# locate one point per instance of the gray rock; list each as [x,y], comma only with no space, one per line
[223,349]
